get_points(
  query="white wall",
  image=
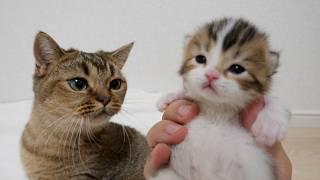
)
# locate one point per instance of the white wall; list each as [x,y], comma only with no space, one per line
[158,28]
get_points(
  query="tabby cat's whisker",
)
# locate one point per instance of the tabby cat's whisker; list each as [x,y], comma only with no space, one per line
[132,118]
[66,138]
[69,140]
[79,146]
[46,132]
[65,134]
[91,134]
[129,141]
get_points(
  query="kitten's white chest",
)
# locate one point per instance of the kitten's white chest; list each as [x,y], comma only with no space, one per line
[218,151]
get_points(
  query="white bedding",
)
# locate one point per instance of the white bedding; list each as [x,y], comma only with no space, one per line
[139,112]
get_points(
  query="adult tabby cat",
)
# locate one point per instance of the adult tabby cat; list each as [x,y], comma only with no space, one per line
[69,135]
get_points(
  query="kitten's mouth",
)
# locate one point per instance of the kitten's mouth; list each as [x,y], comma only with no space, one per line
[208,87]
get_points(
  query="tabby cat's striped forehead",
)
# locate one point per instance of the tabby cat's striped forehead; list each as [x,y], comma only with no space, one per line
[92,59]
[88,63]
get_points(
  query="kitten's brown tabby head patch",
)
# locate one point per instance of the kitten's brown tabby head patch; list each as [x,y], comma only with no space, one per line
[76,84]
[228,60]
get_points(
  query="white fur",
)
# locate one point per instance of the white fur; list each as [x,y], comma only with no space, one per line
[217,51]
[169,98]
[271,124]
[217,147]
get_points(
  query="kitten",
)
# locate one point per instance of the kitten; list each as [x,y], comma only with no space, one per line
[227,64]
[69,135]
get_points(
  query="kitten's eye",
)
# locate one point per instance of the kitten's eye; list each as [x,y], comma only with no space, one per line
[201,59]
[78,84]
[115,84]
[236,69]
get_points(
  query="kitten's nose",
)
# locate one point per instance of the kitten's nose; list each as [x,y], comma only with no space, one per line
[103,99]
[212,75]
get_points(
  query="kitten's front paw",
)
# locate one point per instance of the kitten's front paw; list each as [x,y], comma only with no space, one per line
[271,124]
[164,101]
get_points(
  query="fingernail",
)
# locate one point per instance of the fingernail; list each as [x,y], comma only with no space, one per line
[184,109]
[172,128]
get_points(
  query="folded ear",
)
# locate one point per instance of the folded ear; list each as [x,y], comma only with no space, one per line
[274,58]
[187,39]
[120,56]
[45,50]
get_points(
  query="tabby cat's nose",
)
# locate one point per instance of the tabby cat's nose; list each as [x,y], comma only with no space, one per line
[103,99]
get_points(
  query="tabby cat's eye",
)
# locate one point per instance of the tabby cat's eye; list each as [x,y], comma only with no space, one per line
[201,59]
[115,84]
[78,84]
[236,69]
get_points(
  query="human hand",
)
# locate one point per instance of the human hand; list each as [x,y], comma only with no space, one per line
[282,161]
[171,131]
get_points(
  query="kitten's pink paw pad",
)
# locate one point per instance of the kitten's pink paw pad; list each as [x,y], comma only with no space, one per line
[164,101]
[271,124]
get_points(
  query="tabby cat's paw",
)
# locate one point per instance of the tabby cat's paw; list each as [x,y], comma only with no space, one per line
[271,124]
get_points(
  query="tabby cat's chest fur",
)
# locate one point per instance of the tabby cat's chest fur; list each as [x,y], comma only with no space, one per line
[111,154]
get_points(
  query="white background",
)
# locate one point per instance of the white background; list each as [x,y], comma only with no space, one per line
[158,28]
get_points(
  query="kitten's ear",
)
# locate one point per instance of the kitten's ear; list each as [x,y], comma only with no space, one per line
[45,50]
[187,39]
[120,55]
[274,58]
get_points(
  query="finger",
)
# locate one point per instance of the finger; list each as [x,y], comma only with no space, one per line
[167,132]
[250,113]
[159,156]
[181,111]
[282,161]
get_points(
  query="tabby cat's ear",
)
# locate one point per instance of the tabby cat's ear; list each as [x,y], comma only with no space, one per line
[45,50]
[120,56]
[274,58]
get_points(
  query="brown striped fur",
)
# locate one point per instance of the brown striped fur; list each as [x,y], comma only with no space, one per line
[69,135]
[244,44]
